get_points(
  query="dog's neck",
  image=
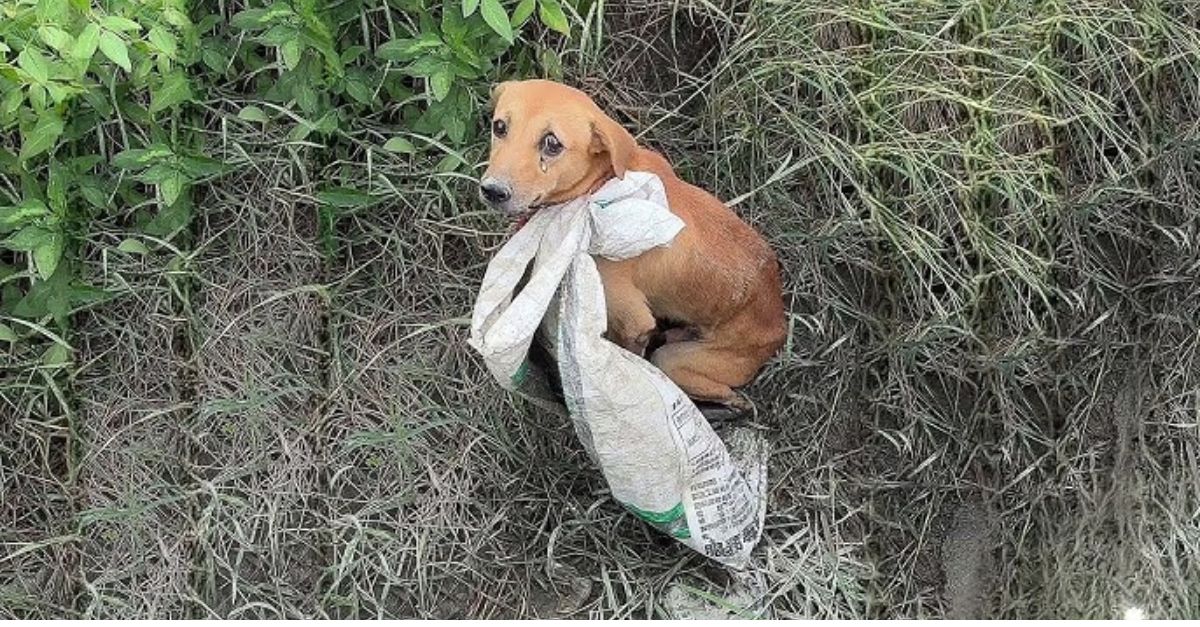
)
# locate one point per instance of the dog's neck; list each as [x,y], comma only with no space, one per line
[600,183]
[644,160]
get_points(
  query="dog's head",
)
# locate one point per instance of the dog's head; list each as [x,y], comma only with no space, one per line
[550,144]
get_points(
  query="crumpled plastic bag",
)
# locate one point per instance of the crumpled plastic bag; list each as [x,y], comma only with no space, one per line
[659,455]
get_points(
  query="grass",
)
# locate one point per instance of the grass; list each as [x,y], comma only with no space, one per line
[988,214]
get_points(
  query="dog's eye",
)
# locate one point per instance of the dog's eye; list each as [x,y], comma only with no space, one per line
[499,128]
[551,147]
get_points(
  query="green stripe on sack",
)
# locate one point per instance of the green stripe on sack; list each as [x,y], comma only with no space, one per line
[518,377]
[657,518]
[671,521]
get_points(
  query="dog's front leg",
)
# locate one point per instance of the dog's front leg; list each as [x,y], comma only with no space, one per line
[630,321]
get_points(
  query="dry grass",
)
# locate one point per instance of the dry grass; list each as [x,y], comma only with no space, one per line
[988,216]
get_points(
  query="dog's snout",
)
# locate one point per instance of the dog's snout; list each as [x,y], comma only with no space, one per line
[495,192]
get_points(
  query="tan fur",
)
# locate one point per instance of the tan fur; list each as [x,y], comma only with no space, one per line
[718,276]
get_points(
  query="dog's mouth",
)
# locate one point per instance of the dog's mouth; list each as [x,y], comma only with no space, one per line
[527,213]
[535,206]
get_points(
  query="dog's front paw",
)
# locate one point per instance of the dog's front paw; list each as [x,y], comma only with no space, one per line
[741,404]
[639,343]
[738,407]
[718,414]
[636,345]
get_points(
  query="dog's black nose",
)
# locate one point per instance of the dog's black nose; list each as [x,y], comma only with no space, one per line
[495,192]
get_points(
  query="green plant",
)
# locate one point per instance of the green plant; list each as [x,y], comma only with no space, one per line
[99,104]
[334,64]
[77,82]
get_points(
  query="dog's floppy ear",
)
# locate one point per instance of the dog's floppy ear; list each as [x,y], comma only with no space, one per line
[612,138]
[497,89]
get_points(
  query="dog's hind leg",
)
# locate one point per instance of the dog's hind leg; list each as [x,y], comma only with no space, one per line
[707,372]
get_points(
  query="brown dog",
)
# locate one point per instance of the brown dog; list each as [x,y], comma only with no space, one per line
[551,144]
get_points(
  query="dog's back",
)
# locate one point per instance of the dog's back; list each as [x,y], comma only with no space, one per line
[719,277]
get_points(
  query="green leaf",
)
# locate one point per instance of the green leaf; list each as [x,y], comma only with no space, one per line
[120,24]
[176,18]
[360,91]
[171,187]
[93,195]
[551,63]
[35,64]
[85,162]
[50,297]
[197,166]
[279,34]
[43,135]
[213,58]
[327,124]
[252,113]
[28,238]
[171,219]
[455,127]
[141,71]
[137,158]
[449,163]
[454,26]
[522,12]
[85,46]
[115,49]
[469,6]
[131,159]
[283,9]
[164,41]
[157,173]
[56,37]
[406,49]
[493,13]
[47,255]
[37,97]
[173,91]
[440,82]
[425,66]
[344,197]
[54,11]
[56,356]
[350,54]
[551,14]
[133,247]
[249,19]
[306,98]
[56,188]
[399,145]
[58,92]
[12,102]
[21,214]
[7,334]
[291,51]
[300,131]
